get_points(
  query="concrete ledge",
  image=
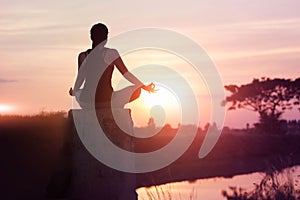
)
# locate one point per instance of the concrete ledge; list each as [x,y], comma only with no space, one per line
[89,179]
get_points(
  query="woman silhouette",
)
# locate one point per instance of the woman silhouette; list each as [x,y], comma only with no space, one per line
[110,59]
[123,188]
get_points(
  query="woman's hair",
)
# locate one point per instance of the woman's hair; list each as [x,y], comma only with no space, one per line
[99,33]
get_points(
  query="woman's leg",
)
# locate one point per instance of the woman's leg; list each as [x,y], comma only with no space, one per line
[124,96]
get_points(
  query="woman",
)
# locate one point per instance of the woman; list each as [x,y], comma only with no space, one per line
[114,125]
[110,59]
[123,188]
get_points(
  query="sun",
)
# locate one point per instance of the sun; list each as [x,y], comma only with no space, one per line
[163,106]
[4,108]
[162,97]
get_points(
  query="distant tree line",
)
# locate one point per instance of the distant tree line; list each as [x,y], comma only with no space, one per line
[269,97]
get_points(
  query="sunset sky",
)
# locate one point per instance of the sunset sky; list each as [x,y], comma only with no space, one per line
[40,42]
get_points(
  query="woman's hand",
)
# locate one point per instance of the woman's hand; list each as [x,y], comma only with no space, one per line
[150,88]
[71,92]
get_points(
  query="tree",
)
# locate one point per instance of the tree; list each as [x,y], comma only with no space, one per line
[269,97]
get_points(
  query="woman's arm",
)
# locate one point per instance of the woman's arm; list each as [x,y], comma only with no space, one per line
[80,77]
[124,71]
[118,62]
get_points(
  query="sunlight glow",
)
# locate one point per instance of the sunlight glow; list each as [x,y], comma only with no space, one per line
[162,97]
[5,108]
[163,106]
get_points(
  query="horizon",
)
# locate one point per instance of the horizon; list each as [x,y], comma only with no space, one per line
[201,125]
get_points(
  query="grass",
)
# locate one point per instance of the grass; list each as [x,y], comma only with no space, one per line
[274,186]
[168,192]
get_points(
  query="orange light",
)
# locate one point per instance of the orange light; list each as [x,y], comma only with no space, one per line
[5,108]
[162,97]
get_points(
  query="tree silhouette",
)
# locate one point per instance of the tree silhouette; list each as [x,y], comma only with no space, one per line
[269,97]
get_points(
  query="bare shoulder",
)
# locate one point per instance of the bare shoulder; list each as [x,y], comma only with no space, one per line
[82,55]
[112,52]
[111,55]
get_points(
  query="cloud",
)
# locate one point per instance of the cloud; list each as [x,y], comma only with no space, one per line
[7,80]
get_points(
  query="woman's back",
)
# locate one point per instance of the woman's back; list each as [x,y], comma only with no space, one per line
[104,87]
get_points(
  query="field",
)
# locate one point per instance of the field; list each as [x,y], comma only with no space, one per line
[32,148]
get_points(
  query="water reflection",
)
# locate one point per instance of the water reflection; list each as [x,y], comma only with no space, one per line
[210,188]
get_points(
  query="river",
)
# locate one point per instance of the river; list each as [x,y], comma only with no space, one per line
[209,189]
